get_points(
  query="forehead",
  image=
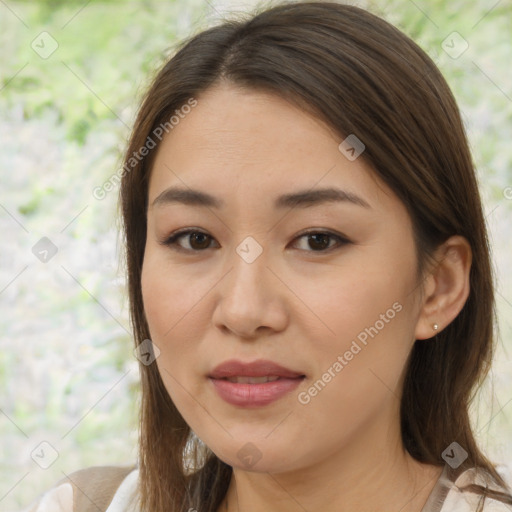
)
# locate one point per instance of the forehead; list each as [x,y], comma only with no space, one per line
[253,144]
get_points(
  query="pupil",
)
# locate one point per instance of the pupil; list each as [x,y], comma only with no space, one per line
[195,239]
[324,238]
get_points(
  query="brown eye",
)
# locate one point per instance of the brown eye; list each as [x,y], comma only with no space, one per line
[197,240]
[321,241]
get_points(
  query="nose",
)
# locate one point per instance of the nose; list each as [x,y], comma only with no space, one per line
[251,300]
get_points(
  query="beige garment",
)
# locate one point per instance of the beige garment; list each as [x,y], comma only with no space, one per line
[88,490]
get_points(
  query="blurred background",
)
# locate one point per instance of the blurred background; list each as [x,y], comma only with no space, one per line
[72,74]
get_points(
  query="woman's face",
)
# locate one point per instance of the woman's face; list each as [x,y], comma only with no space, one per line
[337,308]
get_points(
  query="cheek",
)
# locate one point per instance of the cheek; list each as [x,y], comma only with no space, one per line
[171,309]
[358,369]
[359,302]
[165,303]
[176,309]
[370,315]
[170,297]
[157,297]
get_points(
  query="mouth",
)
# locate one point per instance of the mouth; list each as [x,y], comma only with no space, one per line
[252,380]
[261,368]
[253,384]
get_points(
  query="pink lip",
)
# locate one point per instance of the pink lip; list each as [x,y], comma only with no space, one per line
[258,368]
[253,395]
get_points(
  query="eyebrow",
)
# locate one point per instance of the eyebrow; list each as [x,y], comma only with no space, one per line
[300,199]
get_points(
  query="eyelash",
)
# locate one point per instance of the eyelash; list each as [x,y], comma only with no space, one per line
[171,241]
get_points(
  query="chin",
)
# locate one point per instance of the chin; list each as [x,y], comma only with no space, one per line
[257,457]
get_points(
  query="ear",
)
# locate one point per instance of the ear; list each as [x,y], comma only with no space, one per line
[446,287]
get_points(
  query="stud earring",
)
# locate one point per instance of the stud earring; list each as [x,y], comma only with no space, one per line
[435,327]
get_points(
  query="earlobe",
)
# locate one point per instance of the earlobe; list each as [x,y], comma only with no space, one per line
[446,288]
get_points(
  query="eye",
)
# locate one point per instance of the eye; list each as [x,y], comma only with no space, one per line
[198,242]
[319,241]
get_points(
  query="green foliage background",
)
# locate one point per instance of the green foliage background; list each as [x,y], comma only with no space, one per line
[67,372]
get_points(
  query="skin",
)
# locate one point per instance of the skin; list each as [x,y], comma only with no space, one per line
[299,307]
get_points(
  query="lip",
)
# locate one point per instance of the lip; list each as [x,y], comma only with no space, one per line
[253,395]
[258,368]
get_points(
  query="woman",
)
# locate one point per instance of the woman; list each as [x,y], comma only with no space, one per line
[309,278]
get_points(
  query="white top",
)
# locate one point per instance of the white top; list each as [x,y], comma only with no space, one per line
[445,497]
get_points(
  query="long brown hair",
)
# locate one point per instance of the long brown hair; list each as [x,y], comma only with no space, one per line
[362,76]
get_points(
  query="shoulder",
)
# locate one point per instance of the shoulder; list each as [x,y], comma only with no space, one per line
[461,496]
[97,488]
